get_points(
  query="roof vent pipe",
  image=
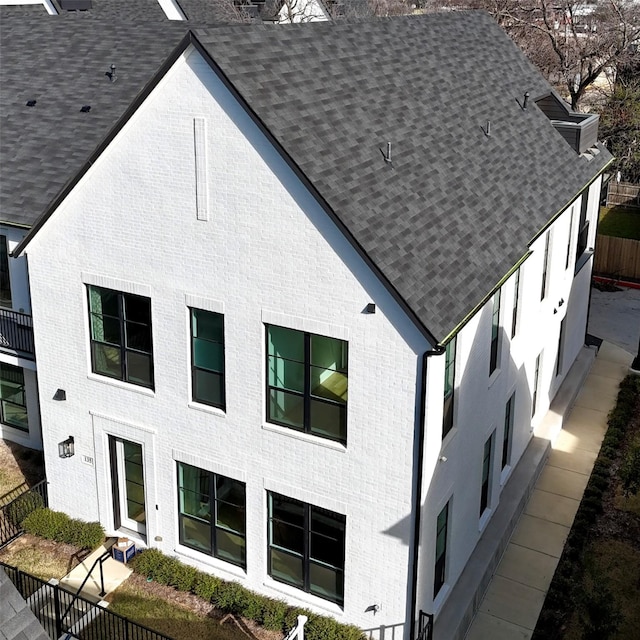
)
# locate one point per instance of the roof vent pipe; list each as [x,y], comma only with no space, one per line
[487,131]
[388,156]
[526,101]
[113,76]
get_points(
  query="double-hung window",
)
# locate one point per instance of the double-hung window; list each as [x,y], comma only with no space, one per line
[536,380]
[545,266]
[13,404]
[5,280]
[306,547]
[449,386]
[442,526]
[495,333]
[211,514]
[516,296]
[207,358]
[485,487]
[508,430]
[121,344]
[307,382]
[583,226]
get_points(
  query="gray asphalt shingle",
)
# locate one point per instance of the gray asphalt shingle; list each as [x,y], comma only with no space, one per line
[443,224]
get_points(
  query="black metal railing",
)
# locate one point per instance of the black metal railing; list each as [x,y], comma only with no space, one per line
[13,494]
[83,620]
[16,331]
[425,626]
[13,513]
[102,593]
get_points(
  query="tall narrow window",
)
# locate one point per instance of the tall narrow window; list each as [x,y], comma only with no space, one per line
[307,382]
[449,386]
[508,430]
[568,260]
[495,333]
[560,347]
[207,358]
[583,226]
[545,267]
[536,377]
[120,326]
[306,547]
[516,296]
[485,488]
[13,404]
[211,514]
[5,280]
[442,526]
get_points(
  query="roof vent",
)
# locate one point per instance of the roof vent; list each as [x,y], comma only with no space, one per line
[75,5]
[112,74]
[85,108]
[31,103]
[525,102]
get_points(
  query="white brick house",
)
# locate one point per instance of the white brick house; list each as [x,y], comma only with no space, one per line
[252,382]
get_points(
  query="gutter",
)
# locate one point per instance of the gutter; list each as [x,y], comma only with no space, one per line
[439,350]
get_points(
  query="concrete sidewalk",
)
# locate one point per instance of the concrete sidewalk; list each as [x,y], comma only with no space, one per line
[514,598]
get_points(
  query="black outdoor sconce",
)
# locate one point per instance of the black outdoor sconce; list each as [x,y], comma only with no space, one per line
[66,448]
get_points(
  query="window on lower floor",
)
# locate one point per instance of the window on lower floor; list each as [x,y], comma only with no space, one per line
[449,386]
[211,514]
[560,347]
[307,382]
[536,380]
[120,327]
[13,404]
[5,280]
[485,487]
[306,547]
[442,526]
[508,430]
[207,358]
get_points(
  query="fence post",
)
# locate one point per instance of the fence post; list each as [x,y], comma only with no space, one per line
[56,606]
[301,622]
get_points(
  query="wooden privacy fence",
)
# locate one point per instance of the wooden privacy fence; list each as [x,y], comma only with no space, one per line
[623,193]
[617,258]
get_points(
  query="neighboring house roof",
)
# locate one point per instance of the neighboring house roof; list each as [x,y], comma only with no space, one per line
[442,223]
[17,622]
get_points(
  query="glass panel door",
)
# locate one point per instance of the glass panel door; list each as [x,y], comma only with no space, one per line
[128,485]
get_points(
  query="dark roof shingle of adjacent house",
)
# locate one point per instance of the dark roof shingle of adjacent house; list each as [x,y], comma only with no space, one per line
[17,622]
[443,223]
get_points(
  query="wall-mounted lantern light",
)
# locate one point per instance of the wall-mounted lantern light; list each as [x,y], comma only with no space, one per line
[66,448]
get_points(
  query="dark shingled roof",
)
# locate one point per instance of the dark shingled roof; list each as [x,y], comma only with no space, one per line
[443,224]
[17,622]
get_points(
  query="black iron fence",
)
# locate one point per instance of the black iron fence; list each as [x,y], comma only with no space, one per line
[13,513]
[425,626]
[16,331]
[65,614]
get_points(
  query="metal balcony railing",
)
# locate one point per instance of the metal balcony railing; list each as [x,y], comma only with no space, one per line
[16,332]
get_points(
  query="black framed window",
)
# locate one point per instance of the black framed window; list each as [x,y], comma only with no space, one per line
[485,488]
[536,380]
[560,347]
[568,258]
[449,385]
[13,403]
[545,267]
[5,280]
[212,514]
[121,343]
[306,547]
[207,358]
[442,526]
[307,382]
[516,299]
[495,333]
[508,430]
[583,226]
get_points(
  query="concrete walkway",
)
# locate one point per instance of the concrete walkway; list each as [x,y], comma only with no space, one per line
[514,598]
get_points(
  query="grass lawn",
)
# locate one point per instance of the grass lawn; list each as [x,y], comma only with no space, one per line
[17,465]
[620,222]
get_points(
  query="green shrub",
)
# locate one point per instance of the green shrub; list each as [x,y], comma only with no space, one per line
[58,526]
[146,561]
[232,597]
[45,523]
[206,586]
[273,614]
[89,535]
[22,506]
[630,469]
[183,577]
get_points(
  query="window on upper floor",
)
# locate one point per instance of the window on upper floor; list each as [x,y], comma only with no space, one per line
[559,355]
[568,258]
[306,547]
[307,382]
[545,266]
[207,358]
[5,280]
[495,333]
[121,342]
[449,386]
[508,430]
[211,514]
[13,404]
[583,226]
[442,532]
[536,381]
[516,299]
[485,487]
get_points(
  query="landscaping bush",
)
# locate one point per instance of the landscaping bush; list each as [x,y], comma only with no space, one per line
[58,526]
[205,586]
[232,597]
[183,577]
[630,469]
[274,614]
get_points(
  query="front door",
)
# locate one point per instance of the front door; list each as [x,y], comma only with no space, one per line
[127,478]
